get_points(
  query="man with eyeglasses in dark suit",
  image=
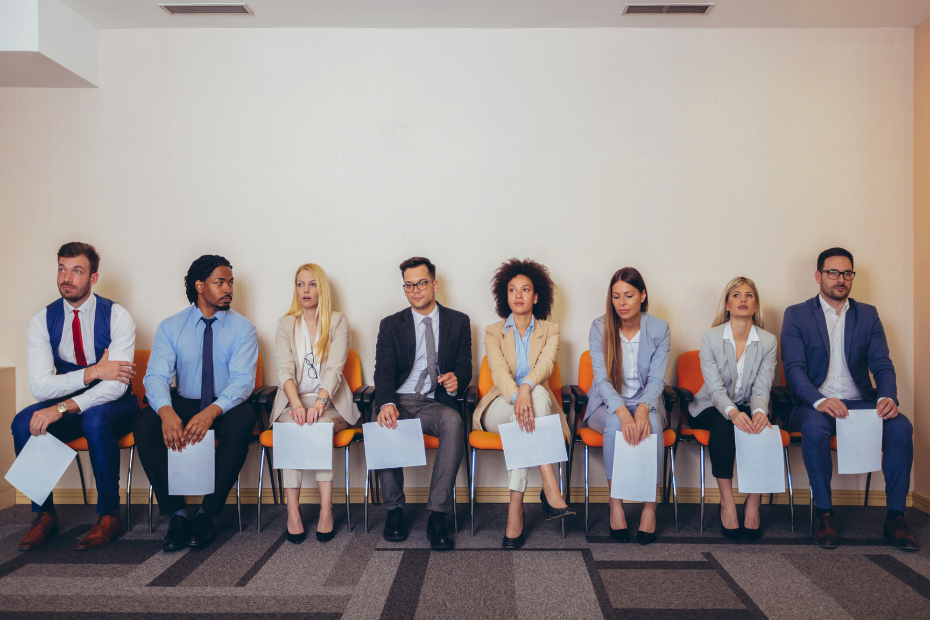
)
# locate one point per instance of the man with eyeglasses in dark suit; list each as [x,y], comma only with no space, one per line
[829,345]
[422,360]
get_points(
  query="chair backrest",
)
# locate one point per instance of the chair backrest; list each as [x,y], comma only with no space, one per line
[486,382]
[585,372]
[259,373]
[352,371]
[141,359]
[689,371]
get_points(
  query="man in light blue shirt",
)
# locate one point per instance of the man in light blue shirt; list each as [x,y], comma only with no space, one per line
[211,352]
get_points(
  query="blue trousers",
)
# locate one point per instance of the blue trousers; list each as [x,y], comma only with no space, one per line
[608,424]
[816,428]
[102,425]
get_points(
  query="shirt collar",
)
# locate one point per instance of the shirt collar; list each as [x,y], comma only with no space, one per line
[418,318]
[220,316]
[89,306]
[634,340]
[828,308]
[728,333]
[510,323]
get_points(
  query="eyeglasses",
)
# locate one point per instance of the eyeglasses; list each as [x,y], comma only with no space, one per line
[834,274]
[420,286]
[311,370]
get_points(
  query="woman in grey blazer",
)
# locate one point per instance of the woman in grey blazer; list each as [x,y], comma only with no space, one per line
[738,364]
[629,354]
[311,347]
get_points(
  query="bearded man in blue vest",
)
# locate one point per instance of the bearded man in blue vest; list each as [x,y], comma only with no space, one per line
[79,363]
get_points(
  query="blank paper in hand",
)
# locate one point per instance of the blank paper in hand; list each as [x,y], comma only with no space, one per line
[303,447]
[859,442]
[635,469]
[760,466]
[39,467]
[543,446]
[387,448]
[192,471]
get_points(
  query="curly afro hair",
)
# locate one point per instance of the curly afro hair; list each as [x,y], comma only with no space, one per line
[538,275]
[200,270]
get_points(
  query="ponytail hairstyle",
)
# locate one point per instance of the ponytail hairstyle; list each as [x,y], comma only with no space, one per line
[324,308]
[613,353]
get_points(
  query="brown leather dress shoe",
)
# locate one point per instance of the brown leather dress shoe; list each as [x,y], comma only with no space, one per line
[825,532]
[44,528]
[107,528]
[896,531]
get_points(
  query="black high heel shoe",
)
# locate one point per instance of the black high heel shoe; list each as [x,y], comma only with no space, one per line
[732,534]
[752,534]
[621,535]
[295,538]
[515,543]
[551,513]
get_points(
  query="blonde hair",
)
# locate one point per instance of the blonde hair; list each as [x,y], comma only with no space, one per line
[324,308]
[723,315]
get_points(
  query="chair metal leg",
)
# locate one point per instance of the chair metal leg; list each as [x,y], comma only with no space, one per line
[702,489]
[790,488]
[239,502]
[811,491]
[664,478]
[455,510]
[261,480]
[132,451]
[151,529]
[348,513]
[868,481]
[274,488]
[471,493]
[281,487]
[587,491]
[561,491]
[81,472]
[367,485]
[671,454]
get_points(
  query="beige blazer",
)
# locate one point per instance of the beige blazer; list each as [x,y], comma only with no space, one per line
[289,355]
[501,350]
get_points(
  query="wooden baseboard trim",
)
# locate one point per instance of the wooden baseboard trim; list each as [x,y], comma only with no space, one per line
[921,502]
[488,495]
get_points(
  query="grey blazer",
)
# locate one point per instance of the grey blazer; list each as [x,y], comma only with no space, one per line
[654,350]
[718,366]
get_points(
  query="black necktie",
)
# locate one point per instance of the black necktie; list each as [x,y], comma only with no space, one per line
[206,380]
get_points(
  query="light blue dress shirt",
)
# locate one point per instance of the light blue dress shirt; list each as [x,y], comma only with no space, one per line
[177,353]
[522,346]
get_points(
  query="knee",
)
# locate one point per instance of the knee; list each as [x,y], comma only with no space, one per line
[612,424]
[94,423]
[452,423]
[241,418]
[899,429]
[147,422]
[814,427]
[20,425]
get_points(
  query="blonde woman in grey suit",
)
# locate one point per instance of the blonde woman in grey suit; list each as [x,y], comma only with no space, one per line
[311,347]
[738,364]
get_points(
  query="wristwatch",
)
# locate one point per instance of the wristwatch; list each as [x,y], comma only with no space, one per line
[325,401]
[62,408]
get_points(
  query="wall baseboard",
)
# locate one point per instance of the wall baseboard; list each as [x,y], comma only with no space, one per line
[491,495]
[920,502]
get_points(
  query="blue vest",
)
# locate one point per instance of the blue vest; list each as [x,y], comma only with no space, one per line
[55,320]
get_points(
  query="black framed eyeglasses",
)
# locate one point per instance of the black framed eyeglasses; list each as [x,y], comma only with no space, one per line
[311,368]
[834,274]
[420,286]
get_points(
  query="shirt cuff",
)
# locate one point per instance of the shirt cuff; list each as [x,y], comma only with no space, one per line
[224,403]
[817,402]
[757,410]
[728,410]
[881,398]
[81,400]
[513,398]
[452,393]
[76,380]
[385,405]
[529,383]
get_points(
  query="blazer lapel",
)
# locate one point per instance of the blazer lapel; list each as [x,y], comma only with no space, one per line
[817,309]
[299,351]
[729,350]
[410,336]
[852,316]
[536,342]
[646,349]
[443,335]
[510,348]
[751,352]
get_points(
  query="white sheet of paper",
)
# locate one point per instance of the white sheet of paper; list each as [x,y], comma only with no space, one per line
[636,469]
[544,445]
[859,442]
[39,466]
[760,463]
[303,447]
[387,448]
[192,471]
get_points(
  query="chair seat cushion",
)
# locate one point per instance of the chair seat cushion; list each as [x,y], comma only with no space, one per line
[795,438]
[340,439]
[430,442]
[833,443]
[80,444]
[785,438]
[594,439]
[483,440]
[696,434]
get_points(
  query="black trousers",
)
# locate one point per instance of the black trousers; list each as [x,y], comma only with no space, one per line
[722,444]
[232,430]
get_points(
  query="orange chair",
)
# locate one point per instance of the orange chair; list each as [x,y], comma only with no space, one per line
[141,359]
[690,381]
[592,439]
[343,439]
[483,440]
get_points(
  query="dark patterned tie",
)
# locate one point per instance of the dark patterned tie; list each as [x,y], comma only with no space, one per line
[431,364]
[206,377]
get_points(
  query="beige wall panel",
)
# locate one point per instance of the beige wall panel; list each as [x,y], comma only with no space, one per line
[921,257]
[694,155]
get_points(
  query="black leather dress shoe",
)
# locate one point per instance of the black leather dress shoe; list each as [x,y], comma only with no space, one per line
[394,530]
[621,535]
[437,532]
[178,530]
[201,531]
[896,531]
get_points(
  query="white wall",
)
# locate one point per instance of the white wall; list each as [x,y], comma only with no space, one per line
[694,155]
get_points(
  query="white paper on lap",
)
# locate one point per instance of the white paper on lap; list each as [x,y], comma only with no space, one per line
[39,466]
[387,448]
[760,465]
[192,471]
[635,469]
[303,447]
[543,446]
[859,442]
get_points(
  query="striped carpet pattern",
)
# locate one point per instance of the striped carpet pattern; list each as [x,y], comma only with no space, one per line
[359,575]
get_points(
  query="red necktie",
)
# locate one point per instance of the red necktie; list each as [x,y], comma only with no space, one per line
[78,341]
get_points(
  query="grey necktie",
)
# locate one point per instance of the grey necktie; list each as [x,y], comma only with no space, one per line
[430,369]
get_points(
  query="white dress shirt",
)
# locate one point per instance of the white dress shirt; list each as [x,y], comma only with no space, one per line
[310,371]
[40,363]
[631,381]
[419,364]
[739,398]
[839,382]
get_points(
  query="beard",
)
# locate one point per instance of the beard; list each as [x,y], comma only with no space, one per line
[834,294]
[78,293]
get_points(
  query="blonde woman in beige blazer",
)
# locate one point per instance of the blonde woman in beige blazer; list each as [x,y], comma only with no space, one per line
[311,386]
[521,352]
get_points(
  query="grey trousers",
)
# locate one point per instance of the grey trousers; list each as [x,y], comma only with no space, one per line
[442,422]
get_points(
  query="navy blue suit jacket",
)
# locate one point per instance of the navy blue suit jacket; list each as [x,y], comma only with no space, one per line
[805,351]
